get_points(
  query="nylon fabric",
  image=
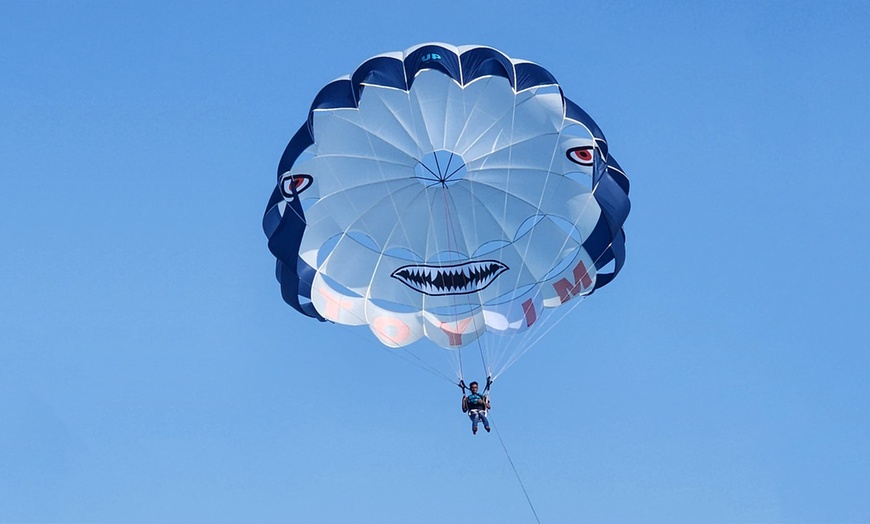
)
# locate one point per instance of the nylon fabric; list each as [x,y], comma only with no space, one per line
[446,193]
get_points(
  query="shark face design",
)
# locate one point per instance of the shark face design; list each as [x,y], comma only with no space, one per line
[420,221]
[290,183]
[455,279]
[441,192]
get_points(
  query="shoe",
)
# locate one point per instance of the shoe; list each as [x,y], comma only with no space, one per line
[474,431]
[486,428]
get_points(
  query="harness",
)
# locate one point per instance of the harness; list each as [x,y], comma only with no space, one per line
[476,402]
[479,403]
[485,389]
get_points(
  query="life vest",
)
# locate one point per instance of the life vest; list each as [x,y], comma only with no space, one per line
[476,401]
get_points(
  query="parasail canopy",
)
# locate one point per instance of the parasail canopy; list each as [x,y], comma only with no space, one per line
[445,193]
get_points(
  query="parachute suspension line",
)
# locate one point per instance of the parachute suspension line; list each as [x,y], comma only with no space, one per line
[471,306]
[521,346]
[496,346]
[477,330]
[414,359]
[535,334]
[539,336]
[448,226]
[417,361]
[482,358]
[452,246]
[513,467]
[461,381]
[515,346]
[532,333]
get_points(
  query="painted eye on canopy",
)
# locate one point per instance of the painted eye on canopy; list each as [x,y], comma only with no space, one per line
[580,155]
[300,182]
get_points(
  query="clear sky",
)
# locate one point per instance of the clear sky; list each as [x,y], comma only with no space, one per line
[150,372]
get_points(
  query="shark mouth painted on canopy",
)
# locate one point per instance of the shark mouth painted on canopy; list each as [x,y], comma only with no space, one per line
[455,279]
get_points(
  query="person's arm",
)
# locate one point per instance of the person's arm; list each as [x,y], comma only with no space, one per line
[464,404]
[486,401]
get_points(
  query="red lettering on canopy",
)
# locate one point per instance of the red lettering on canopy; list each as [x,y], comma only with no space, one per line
[333,305]
[391,329]
[582,281]
[454,333]
[529,311]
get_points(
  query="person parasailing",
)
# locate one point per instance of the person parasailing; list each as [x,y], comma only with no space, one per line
[476,404]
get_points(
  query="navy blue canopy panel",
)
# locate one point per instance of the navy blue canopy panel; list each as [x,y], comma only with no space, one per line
[445,192]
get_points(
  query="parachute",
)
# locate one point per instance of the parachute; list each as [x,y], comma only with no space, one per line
[446,193]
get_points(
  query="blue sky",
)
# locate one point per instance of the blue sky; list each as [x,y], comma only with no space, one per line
[149,371]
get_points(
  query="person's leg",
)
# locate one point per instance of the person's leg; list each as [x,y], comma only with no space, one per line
[473,416]
[485,422]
